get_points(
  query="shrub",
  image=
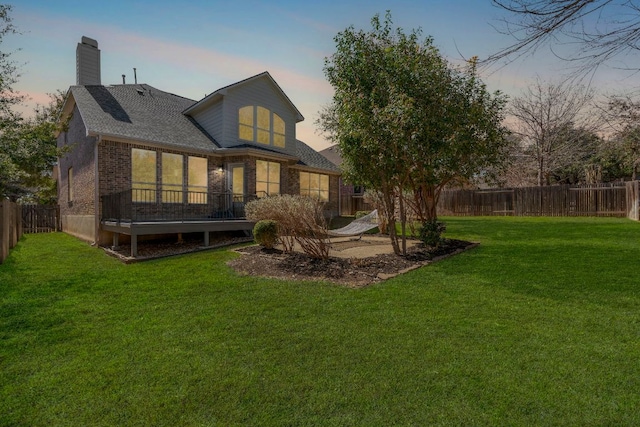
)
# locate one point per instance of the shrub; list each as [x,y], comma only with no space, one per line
[431,232]
[265,233]
[299,219]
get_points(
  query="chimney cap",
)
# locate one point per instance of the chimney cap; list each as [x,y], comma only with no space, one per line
[89,41]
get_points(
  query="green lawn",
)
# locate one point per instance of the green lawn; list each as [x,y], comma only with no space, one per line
[539,325]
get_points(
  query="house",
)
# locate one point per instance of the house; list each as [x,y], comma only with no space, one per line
[351,197]
[143,162]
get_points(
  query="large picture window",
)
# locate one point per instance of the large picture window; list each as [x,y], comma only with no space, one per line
[197,168]
[143,175]
[259,124]
[267,178]
[314,185]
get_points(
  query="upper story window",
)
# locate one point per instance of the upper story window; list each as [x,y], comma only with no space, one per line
[258,124]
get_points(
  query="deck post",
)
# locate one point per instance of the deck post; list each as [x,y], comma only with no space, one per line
[206,238]
[116,241]
[134,245]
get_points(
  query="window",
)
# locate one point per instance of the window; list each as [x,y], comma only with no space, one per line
[143,175]
[172,178]
[314,185]
[258,124]
[278,131]
[237,182]
[70,184]
[245,118]
[197,168]
[267,178]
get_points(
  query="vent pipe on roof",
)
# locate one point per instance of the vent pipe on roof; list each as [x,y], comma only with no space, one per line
[123,77]
[135,76]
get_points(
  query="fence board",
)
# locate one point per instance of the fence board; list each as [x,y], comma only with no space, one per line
[562,200]
[10,227]
[40,218]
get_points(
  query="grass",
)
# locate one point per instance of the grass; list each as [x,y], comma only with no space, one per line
[540,325]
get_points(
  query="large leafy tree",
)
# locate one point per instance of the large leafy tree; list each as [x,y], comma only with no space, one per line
[35,153]
[9,120]
[406,121]
[27,146]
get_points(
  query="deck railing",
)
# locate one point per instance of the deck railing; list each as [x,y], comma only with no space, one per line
[136,205]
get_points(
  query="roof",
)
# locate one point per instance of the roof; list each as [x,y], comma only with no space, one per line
[311,158]
[333,154]
[223,91]
[143,113]
[140,112]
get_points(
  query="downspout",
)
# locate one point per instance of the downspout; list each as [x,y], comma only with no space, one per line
[96,202]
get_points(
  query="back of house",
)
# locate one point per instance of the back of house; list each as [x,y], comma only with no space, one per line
[141,161]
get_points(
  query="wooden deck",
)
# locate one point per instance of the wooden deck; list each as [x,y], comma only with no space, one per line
[135,229]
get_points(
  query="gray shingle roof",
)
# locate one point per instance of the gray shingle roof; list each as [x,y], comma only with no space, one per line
[333,155]
[140,112]
[310,157]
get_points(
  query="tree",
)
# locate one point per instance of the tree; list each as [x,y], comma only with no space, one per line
[550,120]
[623,118]
[8,72]
[406,120]
[596,31]
[9,120]
[27,146]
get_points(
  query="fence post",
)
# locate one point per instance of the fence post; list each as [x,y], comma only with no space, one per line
[633,200]
[4,228]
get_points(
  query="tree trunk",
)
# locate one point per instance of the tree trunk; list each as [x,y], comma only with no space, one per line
[429,200]
[388,198]
[403,223]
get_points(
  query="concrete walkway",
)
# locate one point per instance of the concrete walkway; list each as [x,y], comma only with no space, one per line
[367,246]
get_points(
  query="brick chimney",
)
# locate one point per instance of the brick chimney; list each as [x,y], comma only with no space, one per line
[88,62]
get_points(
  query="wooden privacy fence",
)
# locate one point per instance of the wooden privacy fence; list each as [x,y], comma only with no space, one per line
[350,204]
[617,199]
[633,200]
[40,218]
[10,227]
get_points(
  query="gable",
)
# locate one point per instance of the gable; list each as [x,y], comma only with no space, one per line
[219,112]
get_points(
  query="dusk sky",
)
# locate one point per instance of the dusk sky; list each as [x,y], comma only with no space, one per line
[194,48]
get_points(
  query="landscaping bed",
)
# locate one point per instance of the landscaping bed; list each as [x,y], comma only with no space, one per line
[353,272]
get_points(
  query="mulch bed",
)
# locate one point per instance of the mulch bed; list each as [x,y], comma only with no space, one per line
[354,272]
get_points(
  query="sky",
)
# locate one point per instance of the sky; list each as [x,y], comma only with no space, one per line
[194,48]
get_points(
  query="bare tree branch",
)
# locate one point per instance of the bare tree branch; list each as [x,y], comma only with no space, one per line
[594,31]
